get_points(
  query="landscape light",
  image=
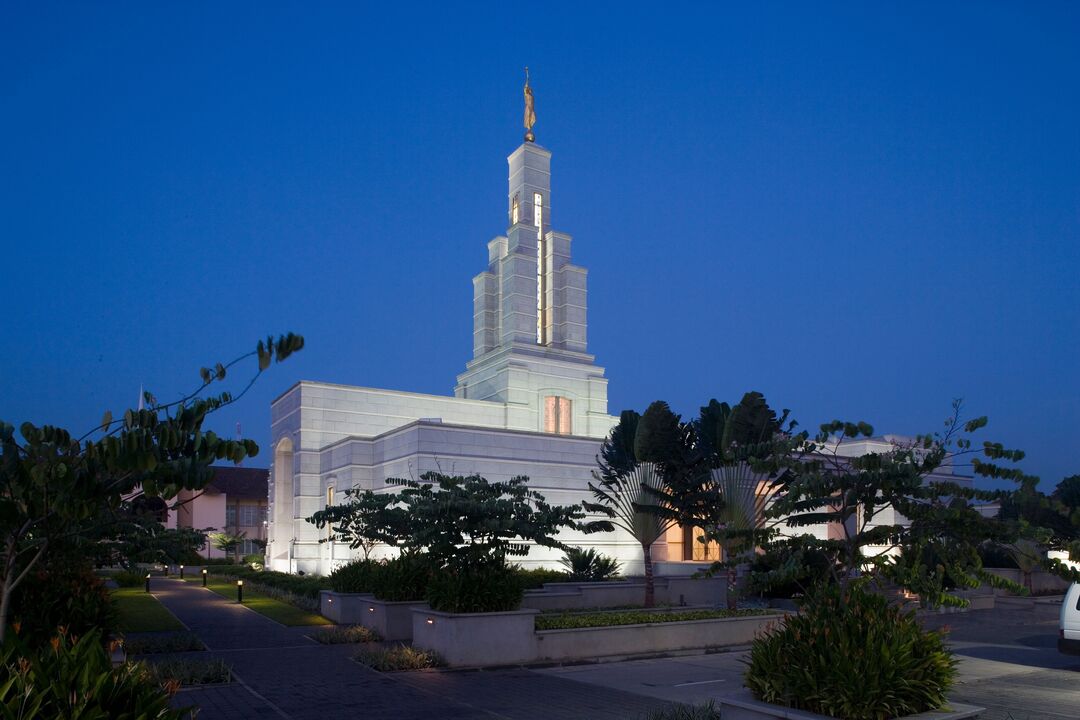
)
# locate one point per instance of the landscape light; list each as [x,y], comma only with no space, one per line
[239,591]
[204,577]
[371,609]
[431,621]
[181,572]
[147,582]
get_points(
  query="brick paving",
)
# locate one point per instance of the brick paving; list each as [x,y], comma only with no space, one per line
[283,674]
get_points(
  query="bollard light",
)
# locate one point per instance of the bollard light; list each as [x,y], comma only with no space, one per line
[239,591]
[204,577]
[147,582]
[181,572]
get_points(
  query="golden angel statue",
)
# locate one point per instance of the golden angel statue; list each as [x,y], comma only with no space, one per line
[530,110]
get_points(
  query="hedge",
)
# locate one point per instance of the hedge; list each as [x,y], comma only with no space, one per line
[570,621]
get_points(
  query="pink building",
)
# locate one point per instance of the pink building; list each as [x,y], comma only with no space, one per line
[233,502]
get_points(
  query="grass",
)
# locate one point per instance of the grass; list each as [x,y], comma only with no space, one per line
[263,604]
[398,657]
[570,621]
[345,634]
[139,611]
[708,711]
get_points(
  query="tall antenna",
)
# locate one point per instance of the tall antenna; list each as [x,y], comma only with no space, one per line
[239,436]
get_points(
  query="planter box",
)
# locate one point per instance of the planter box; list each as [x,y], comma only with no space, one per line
[624,640]
[476,639]
[343,608]
[743,706]
[391,619]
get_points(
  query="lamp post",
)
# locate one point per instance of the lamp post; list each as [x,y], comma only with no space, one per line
[181,572]
[147,582]
[204,577]
[240,591]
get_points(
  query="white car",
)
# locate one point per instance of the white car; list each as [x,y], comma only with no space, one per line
[1069,633]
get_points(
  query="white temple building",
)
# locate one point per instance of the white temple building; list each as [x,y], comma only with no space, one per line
[531,402]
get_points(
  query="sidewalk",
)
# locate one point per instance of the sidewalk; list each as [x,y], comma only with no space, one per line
[284,674]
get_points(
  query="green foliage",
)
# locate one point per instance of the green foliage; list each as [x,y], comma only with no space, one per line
[708,711]
[68,678]
[658,434]
[60,488]
[136,536]
[398,657]
[406,577]
[851,655]
[225,542]
[356,576]
[189,671]
[304,586]
[342,634]
[255,562]
[571,620]
[484,587]
[780,574]
[65,593]
[130,578]
[588,565]
[534,578]
[996,556]
[156,643]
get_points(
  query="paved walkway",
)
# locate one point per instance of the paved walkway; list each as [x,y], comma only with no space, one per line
[282,673]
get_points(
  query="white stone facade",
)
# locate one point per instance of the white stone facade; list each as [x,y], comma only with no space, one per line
[530,402]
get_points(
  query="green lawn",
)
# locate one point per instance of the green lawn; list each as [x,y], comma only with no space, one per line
[263,604]
[139,611]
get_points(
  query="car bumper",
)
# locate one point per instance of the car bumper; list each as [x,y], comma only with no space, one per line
[1068,646]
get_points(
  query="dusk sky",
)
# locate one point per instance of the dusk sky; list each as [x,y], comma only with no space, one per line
[862,210]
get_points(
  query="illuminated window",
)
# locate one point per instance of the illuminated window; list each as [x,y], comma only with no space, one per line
[557,415]
[515,212]
[538,221]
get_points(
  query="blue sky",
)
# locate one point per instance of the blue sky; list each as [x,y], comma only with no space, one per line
[861,210]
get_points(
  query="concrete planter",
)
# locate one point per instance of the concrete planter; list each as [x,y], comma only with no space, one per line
[625,640]
[391,619]
[344,608]
[476,639]
[743,706]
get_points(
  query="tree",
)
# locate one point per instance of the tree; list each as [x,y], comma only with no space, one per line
[649,480]
[740,445]
[227,542]
[459,522]
[56,488]
[890,511]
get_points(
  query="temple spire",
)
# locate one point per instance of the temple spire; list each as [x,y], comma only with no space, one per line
[530,109]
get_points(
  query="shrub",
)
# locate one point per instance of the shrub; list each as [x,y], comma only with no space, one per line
[406,577]
[996,556]
[341,634]
[813,569]
[255,562]
[162,643]
[399,657]
[60,594]
[589,565]
[569,621]
[535,578]
[68,678]
[353,577]
[189,671]
[850,654]
[129,578]
[488,587]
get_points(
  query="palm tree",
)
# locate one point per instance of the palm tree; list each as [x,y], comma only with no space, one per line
[737,443]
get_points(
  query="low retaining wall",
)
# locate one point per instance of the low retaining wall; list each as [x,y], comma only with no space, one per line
[477,639]
[344,608]
[615,593]
[620,640]
[510,638]
[1042,582]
